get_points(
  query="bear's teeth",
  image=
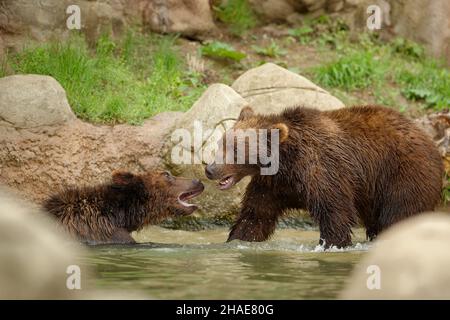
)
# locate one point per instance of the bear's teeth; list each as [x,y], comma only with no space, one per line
[185,204]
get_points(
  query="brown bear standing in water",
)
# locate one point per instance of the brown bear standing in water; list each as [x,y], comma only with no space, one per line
[108,213]
[364,163]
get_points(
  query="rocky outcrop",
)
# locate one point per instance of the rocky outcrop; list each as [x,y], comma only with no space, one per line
[22,20]
[423,21]
[28,101]
[43,145]
[420,20]
[426,22]
[35,161]
[411,260]
[276,10]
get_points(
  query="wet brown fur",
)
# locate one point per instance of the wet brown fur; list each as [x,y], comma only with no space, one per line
[365,163]
[109,212]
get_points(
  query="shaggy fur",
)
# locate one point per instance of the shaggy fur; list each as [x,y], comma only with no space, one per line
[108,213]
[367,164]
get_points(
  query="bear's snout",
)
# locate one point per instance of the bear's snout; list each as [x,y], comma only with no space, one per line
[210,171]
[198,185]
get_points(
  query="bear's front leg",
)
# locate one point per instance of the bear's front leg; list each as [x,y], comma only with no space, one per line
[252,226]
[121,236]
[335,219]
[258,217]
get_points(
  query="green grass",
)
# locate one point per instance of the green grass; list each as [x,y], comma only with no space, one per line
[388,69]
[273,50]
[237,15]
[221,50]
[302,34]
[358,70]
[425,81]
[126,80]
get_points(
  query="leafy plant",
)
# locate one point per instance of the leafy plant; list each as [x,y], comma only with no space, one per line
[272,50]
[427,82]
[237,14]
[221,50]
[408,48]
[302,34]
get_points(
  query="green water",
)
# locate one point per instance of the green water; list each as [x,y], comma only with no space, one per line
[199,265]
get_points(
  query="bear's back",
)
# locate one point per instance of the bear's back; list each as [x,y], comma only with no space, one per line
[397,157]
[380,133]
[81,212]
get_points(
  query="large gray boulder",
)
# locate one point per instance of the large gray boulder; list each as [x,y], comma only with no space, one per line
[28,101]
[412,260]
[271,88]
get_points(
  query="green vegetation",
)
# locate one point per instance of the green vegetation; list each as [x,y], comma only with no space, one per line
[446,191]
[237,15]
[302,34]
[221,50]
[126,80]
[355,71]
[134,77]
[427,82]
[272,50]
[388,69]
[381,65]
[408,48]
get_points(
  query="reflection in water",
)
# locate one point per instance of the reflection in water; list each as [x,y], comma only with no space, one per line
[201,266]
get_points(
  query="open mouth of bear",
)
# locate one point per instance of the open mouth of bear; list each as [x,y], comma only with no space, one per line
[226,183]
[185,196]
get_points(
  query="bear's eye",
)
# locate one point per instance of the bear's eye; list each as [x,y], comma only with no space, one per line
[167,175]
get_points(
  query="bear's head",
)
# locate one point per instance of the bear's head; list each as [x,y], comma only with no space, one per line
[250,148]
[159,191]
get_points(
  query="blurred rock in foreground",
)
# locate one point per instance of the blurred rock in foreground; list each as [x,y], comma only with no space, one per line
[413,260]
[37,260]
[34,256]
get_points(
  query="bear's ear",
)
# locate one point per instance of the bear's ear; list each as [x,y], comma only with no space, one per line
[283,131]
[122,178]
[246,112]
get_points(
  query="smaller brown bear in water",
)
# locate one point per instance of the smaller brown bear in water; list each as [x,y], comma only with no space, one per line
[108,213]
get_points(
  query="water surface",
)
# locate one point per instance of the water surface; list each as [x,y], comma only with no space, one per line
[174,264]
